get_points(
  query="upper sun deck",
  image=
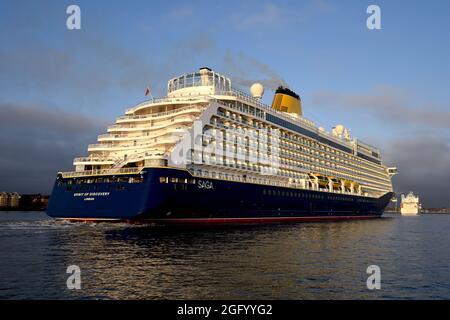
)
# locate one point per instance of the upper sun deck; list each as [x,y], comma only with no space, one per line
[205,81]
[197,86]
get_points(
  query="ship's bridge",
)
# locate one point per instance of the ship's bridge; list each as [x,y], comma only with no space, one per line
[203,82]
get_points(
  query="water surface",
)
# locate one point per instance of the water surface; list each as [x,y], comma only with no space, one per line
[281,261]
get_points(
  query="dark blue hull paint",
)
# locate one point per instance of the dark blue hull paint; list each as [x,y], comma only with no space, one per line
[205,200]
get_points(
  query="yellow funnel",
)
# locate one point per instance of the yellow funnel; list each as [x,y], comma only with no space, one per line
[286,100]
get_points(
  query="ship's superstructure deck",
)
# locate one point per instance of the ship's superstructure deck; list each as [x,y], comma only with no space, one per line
[212,130]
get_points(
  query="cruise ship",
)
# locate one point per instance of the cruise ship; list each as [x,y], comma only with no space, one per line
[410,205]
[211,153]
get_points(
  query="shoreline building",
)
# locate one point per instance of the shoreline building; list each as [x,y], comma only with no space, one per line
[9,200]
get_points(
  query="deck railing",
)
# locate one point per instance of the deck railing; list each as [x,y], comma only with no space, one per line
[102,172]
[160,114]
[93,159]
[165,100]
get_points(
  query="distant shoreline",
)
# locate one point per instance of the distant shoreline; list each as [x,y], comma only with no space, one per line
[427,212]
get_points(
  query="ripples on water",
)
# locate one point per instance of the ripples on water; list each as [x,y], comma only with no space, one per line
[284,261]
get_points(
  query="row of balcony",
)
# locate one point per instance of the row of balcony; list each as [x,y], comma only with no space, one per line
[188,109]
[283,167]
[161,125]
[112,146]
[293,155]
[93,160]
[314,149]
[75,174]
[125,137]
[164,101]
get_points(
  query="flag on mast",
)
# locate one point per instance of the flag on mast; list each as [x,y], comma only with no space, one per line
[148,93]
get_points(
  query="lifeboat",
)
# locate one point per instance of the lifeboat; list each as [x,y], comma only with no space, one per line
[348,185]
[322,180]
[336,183]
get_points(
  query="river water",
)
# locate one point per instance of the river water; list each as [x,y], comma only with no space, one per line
[279,261]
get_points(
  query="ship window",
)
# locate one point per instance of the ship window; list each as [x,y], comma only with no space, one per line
[173,180]
[135,180]
[122,179]
[163,180]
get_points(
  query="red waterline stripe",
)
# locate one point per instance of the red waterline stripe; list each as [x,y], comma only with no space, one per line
[257,220]
[225,220]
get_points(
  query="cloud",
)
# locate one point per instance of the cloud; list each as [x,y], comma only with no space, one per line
[52,119]
[43,69]
[246,70]
[421,151]
[268,15]
[95,65]
[39,141]
[180,13]
[275,16]
[386,104]
[322,5]
[423,164]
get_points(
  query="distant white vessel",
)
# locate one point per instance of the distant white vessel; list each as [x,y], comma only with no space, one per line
[410,205]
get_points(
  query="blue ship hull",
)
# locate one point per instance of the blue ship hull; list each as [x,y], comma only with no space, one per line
[166,196]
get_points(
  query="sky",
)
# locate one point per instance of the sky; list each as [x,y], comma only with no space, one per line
[60,88]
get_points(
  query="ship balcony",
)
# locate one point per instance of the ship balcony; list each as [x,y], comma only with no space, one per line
[118,137]
[102,147]
[110,137]
[165,140]
[92,161]
[110,147]
[75,174]
[119,127]
[159,125]
[165,101]
[144,117]
[257,102]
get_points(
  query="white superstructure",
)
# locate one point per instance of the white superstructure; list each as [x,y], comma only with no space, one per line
[214,130]
[410,205]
